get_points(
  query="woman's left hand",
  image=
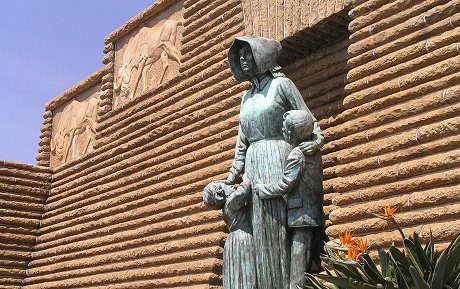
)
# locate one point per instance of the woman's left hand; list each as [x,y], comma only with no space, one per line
[309,147]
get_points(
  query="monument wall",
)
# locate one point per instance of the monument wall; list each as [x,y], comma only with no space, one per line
[396,142]
[133,145]
[130,213]
[23,192]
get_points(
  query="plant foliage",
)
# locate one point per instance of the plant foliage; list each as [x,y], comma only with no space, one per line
[415,267]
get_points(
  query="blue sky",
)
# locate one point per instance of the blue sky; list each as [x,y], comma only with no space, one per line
[46,46]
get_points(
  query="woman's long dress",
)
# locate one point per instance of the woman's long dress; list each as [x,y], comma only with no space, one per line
[262,151]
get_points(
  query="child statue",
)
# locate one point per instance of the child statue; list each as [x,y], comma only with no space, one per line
[239,270]
[301,183]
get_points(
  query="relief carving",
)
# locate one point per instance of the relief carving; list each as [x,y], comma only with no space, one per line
[147,48]
[74,130]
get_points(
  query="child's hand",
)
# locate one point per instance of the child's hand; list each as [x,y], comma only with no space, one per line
[227,182]
[246,182]
[228,189]
[309,147]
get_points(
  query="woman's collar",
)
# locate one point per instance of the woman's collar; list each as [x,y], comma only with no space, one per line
[259,85]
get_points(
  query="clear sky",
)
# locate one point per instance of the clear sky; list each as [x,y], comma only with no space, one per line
[46,46]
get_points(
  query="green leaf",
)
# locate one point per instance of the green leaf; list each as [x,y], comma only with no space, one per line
[368,286]
[329,251]
[314,282]
[328,272]
[429,250]
[348,271]
[412,254]
[326,259]
[454,242]
[421,255]
[398,256]
[454,275]
[371,270]
[419,282]
[400,266]
[456,283]
[340,281]
[438,273]
[383,260]
[453,257]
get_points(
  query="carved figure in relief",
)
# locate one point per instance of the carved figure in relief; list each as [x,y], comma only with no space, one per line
[74,132]
[301,184]
[261,151]
[239,269]
[148,46]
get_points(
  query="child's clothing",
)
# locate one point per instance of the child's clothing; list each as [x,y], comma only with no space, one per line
[239,270]
[302,184]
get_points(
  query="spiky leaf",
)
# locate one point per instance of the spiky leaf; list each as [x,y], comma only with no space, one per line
[399,257]
[401,268]
[371,270]
[456,283]
[412,255]
[429,251]
[383,256]
[348,271]
[421,254]
[455,274]
[418,281]
[437,277]
[453,257]
[314,282]
[343,282]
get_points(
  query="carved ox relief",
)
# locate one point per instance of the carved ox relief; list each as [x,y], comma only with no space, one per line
[148,46]
[74,131]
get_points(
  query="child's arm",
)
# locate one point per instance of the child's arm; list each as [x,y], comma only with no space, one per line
[292,173]
[238,198]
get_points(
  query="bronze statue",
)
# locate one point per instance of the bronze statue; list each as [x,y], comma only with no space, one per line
[302,185]
[261,151]
[239,270]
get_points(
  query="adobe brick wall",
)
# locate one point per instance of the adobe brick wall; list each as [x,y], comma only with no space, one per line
[280,19]
[23,192]
[321,78]
[397,142]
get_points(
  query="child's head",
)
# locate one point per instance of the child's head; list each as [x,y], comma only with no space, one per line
[297,126]
[214,195]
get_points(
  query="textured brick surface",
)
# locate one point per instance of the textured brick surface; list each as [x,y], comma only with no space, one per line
[280,19]
[23,192]
[397,143]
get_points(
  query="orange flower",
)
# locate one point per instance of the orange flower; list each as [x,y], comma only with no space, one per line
[389,212]
[346,239]
[361,246]
[352,253]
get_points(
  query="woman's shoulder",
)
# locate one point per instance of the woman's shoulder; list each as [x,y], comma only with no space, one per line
[281,79]
[282,82]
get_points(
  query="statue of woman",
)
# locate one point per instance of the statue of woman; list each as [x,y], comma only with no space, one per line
[261,150]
